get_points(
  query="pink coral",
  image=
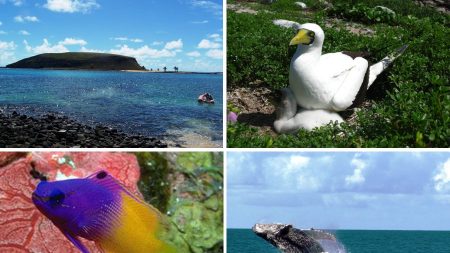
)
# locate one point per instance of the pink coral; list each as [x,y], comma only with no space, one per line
[22,227]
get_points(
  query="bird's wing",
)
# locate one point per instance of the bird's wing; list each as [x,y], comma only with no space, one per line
[335,65]
[287,24]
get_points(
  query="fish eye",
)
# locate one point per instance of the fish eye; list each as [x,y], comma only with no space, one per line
[102,175]
[56,198]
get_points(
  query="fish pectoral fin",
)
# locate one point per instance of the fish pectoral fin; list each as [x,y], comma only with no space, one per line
[76,242]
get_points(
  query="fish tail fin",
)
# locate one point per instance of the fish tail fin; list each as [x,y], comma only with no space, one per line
[380,66]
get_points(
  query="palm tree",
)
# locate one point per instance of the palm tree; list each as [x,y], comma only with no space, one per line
[165,69]
[175,68]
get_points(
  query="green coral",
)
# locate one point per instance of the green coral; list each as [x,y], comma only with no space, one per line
[199,223]
[189,188]
[153,182]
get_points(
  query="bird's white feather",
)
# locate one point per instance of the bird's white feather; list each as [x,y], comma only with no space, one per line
[315,78]
[335,65]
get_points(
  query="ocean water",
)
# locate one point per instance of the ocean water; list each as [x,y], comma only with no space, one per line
[153,104]
[355,241]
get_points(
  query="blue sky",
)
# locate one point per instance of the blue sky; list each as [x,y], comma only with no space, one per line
[345,190]
[183,33]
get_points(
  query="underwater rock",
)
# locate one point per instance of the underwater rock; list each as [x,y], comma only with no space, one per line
[23,227]
[292,240]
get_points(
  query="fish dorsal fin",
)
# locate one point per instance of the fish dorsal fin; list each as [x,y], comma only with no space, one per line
[103,178]
[107,181]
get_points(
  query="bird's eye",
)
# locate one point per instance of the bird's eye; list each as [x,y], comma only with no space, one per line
[56,198]
[311,34]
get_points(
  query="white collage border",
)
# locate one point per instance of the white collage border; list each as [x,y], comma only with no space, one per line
[224,149]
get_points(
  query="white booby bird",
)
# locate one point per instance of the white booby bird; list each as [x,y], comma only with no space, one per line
[322,84]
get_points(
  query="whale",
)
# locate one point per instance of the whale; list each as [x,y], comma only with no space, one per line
[292,240]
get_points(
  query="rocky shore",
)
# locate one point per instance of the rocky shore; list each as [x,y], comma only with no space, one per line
[53,131]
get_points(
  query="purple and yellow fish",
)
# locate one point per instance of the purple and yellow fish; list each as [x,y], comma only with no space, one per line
[100,209]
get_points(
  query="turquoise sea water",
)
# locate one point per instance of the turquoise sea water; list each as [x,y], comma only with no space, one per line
[355,241]
[154,104]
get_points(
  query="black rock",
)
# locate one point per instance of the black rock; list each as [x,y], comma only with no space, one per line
[50,130]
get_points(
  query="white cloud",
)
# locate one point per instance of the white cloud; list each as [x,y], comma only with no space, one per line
[143,53]
[23,32]
[442,178]
[7,50]
[7,45]
[127,39]
[136,40]
[84,49]
[215,37]
[240,169]
[357,177]
[71,6]
[176,44]
[17,2]
[21,19]
[45,47]
[194,54]
[208,5]
[200,22]
[215,53]
[120,38]
[72,41]
[291,172]
[1,23]
[206,44]
[157,43]
[2,32]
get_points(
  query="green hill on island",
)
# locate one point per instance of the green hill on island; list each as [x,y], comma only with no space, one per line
[78,60]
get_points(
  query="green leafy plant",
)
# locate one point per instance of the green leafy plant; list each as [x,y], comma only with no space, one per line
[363,13]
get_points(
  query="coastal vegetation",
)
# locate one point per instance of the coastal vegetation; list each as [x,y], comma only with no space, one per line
[408,105]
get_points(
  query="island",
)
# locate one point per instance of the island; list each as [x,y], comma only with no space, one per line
[79,60]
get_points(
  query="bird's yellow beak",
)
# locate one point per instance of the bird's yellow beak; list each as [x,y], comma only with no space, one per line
[304,36]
